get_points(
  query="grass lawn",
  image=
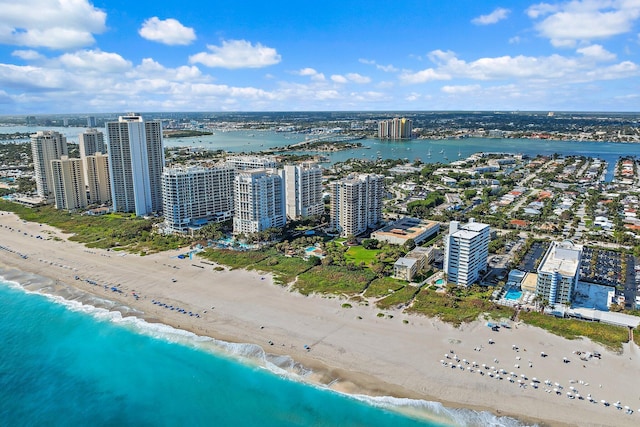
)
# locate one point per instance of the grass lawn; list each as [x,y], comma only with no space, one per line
[608,335]
[358,254]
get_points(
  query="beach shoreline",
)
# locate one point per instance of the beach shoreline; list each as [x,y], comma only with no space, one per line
[350,350]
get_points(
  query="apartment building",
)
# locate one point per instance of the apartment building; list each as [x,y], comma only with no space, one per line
[195,196]
[303,190]
[558,272]
[356,203]
[466,249]
[136,160]
[259,201]
[45,147]
[68,183]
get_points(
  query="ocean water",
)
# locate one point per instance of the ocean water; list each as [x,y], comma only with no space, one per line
[67,364]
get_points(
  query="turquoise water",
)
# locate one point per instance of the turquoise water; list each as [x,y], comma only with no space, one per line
[67,364]
[440,282]
[65,367]
[513,295]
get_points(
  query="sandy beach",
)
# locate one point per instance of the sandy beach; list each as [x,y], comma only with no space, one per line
[350,349]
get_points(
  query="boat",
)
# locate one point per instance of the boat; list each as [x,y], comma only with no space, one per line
[442,151]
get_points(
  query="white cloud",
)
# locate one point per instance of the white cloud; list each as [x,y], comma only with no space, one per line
[386,68]
[597,52]
[423,76]
[311,73]
[567,23]
[496,16]
[357,78]
[544,68]
[45,23]
[237,54]
[350,77]
[27,55]
[514,40]
[460,89]
[95,60]
[339,78]
[169,31]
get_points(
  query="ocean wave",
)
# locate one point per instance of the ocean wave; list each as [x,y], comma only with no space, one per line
[281,365]
[450,416]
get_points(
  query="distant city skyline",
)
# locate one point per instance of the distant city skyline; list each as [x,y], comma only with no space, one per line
[105,56]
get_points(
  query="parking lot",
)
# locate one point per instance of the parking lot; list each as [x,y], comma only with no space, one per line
[531,259]
[606,268]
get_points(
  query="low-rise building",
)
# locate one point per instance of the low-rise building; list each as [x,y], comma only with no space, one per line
[406,228]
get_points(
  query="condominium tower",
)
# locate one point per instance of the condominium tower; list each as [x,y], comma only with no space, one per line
[46,146]
[136,159]
[195,196]
[395,129]
[96,171]
[303,190]
[558,272]
[466,249]
[90,142]
[68,183]
[356,203]
[258,201]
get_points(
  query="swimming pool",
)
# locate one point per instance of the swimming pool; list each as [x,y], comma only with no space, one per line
[440,282]
[513,295]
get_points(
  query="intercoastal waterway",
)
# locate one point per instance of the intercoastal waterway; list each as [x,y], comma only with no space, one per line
[426,150]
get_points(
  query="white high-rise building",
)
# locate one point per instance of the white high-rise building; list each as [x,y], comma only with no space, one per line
[466,249]
[136,160]
[96,171]
[356,203]
[46,146]
[258,201]
[195,196]
[303,190]
[68,183]
[558,272]
[251,162]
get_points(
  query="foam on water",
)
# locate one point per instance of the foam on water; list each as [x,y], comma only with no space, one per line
[282,366]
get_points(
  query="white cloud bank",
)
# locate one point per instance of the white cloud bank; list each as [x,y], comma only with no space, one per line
[237,54]
[566,24]
[64,24]
[169,31]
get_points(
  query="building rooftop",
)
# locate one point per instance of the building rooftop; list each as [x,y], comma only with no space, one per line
[562,257]
[407,228]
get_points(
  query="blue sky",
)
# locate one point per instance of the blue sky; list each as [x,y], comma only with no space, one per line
[81,56]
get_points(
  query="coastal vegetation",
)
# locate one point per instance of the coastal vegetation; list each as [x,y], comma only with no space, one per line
[608,335]
[459,305]
[110,231]
[184,133]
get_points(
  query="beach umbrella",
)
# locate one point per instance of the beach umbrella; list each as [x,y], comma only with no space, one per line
[572,388]
[493,368]
[535,380]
